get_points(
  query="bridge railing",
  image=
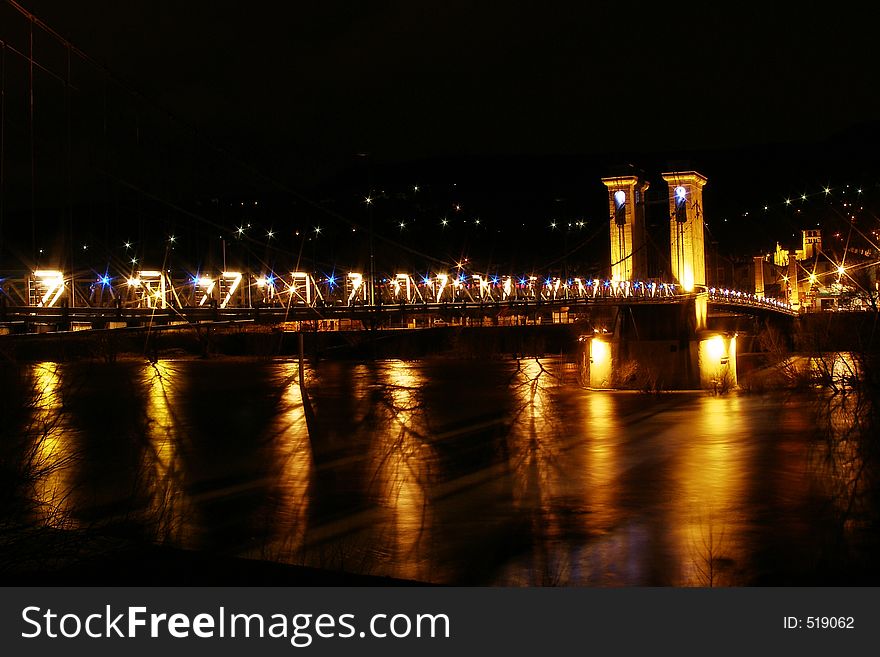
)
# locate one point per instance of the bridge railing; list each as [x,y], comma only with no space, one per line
[740,298]
[252,290]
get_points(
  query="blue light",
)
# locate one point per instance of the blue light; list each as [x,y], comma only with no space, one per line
[680,193]
[494,280]
[270,279]
[105,281]
[331,280]
[522,281]
[425,280]
[620,197]
[195,280]
[548,282]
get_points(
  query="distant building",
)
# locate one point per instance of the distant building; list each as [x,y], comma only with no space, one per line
[811,245]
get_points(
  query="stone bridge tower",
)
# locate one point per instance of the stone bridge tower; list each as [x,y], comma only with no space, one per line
[688,253]
[626,202]
[670,344]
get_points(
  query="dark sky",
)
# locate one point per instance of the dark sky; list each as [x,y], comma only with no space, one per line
[513,110]
[307,84]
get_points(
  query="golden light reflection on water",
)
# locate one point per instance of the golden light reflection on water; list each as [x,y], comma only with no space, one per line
[292,450]
[534,439]
[541,458]
[401,461]
[403,381]
[170,510]
[53,451]
[601,460]
[710,505]
[574,474]
[532,443]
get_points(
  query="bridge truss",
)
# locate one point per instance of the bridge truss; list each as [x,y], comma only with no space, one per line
[154,295]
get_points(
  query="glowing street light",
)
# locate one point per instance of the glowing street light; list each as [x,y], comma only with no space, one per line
[230,280]
[52,283]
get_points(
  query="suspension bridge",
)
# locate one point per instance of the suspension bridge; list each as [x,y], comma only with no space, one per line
[63,154]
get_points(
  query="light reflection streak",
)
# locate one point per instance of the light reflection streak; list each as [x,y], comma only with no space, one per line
[401,460]
[710,505]
[170,511]
[53,451]
[576,475]
[533,432]
[291,449]
[539,476]
[601,460]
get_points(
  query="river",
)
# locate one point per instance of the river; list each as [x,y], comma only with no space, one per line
[474,472]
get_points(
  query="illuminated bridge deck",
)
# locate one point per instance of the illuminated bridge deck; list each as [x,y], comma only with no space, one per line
[297,312]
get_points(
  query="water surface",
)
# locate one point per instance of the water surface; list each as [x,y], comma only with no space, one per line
[464,472]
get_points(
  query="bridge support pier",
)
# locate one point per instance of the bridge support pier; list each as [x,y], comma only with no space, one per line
[600,356]
[717,361]
[662,347]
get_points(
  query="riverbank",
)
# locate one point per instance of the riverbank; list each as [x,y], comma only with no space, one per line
[263,342]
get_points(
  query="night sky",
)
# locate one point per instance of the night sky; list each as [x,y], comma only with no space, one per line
[512,111]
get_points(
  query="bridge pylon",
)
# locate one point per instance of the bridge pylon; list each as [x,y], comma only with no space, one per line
[688,251]
[626,202]
[759,276]
[794,297]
